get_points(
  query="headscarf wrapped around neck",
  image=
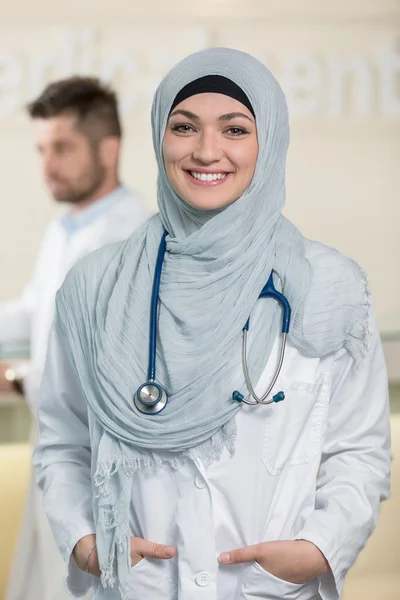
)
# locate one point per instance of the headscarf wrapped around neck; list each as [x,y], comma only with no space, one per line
[215,266]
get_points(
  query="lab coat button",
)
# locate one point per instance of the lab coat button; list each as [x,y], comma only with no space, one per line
[202,579]
[200,482]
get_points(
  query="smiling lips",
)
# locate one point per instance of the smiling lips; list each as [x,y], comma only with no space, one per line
[208,178]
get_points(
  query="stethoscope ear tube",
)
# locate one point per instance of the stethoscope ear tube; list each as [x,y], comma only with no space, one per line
[268,291]
[263,400]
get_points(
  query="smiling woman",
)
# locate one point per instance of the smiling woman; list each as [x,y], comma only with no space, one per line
[210,143]
[145,484]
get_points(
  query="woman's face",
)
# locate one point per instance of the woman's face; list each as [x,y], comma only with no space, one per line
[210,150]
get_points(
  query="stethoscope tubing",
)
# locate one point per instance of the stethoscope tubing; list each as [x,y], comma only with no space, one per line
[151,372]
[147,406]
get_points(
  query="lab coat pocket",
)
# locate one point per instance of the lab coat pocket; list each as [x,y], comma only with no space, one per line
[259,584]
[152,578]
[295,427]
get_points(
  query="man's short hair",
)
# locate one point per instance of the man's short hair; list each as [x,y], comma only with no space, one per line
[93,103]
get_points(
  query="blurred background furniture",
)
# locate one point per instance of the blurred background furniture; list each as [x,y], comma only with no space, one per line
[14,475]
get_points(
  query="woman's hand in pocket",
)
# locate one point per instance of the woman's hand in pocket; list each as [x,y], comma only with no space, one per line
[144,549]
[139,549]
[296,561]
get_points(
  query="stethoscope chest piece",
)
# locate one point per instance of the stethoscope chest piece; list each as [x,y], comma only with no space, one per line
[150,398]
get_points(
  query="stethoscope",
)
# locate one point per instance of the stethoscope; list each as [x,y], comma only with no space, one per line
[151,398]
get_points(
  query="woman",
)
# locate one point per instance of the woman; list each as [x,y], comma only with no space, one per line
[206,496]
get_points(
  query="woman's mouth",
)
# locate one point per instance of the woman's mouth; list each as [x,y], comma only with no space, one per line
[207,178]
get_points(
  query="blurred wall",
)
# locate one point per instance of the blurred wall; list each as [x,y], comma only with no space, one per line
[339,62]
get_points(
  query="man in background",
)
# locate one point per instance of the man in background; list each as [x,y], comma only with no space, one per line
[78,137]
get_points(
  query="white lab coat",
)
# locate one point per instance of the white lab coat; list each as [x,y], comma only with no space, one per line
[38,571]
[313,467]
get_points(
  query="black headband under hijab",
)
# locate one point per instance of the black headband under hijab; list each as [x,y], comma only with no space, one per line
[216,84]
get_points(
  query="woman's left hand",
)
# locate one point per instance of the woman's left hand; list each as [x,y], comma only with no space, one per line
[296,561]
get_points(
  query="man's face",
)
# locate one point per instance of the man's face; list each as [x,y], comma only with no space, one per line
[70,164]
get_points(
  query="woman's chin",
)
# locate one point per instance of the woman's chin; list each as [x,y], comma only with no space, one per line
[208,203]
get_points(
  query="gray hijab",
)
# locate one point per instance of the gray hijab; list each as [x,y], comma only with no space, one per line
[215,266]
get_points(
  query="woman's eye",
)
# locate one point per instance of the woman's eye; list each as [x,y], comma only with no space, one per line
[236,131]
[182,128]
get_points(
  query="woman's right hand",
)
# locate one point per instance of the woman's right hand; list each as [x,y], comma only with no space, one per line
[139,549]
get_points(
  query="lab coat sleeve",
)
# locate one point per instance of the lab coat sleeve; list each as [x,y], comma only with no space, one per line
[15,317]
[63,459]
[354,475]
[16,314]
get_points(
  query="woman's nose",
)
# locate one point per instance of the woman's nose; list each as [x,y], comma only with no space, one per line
[208,149]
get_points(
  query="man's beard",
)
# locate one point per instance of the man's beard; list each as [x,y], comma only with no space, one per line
[80,192]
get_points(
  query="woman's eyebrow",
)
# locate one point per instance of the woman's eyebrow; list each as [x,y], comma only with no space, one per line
[233,115]
[227,117]
[185,113]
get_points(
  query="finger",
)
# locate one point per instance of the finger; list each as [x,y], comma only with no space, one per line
[151,549]
[241,555]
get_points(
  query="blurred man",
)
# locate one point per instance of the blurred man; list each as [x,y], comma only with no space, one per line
[78,137]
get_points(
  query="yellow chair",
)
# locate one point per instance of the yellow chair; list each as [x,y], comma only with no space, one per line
[15,460]
[376,573]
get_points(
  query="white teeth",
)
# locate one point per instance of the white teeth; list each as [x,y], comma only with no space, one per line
[208,176]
